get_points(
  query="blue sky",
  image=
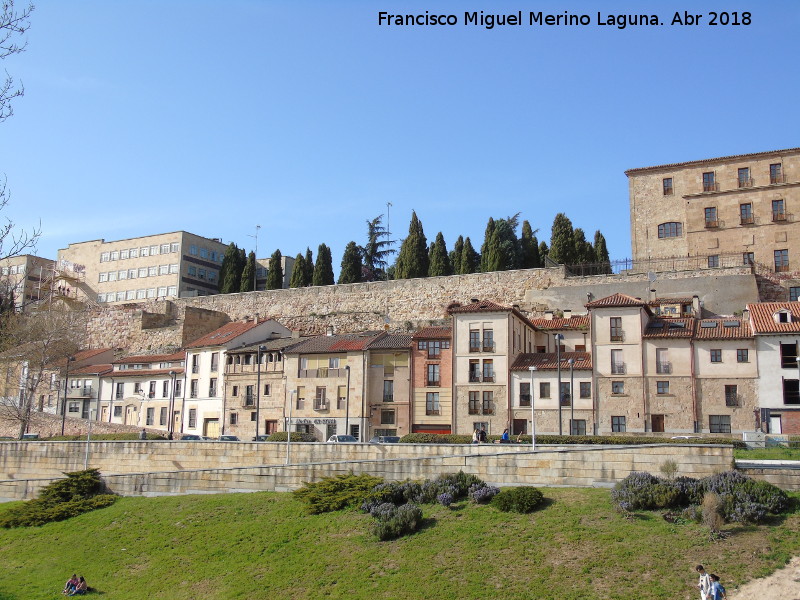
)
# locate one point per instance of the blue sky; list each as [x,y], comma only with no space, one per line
[307,117]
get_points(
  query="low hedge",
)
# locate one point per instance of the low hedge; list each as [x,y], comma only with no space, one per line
[103,437]
[280,436]
[622,440]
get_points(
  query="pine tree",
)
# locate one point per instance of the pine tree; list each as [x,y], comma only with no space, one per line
[455,255]
[601,256]
[413,258]
[230,275]
[439,263]
[376,251]
[562,241]
[298,272]
[323,269]
[275,273]
[246,282]
[487,238]
[308,273]
[529,248]
[470,260]
[351,264]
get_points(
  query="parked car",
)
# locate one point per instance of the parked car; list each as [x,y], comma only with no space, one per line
[686,437]
[385,439]
[30,436]
[229,438]
[263,437]
[191,437]
[342,439]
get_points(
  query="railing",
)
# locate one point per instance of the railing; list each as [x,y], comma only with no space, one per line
[617,368]
[747,220]
[788,362]
[433,383]
[195,368]
[777,178]
[323,372]
[433,411]
[249,400]
[566,400]
[732,400]
[712,186]
[474,378]
[712,224]
[488,410]
[524,399]
[488,378]
[489,348]
[746,182]
[618,336]
[663,368]
[320,404]
[781,268]
[474,411]
[474,347]
[779,215]
[386,398]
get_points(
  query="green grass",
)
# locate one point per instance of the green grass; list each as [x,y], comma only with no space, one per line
[767,454]
[264,545]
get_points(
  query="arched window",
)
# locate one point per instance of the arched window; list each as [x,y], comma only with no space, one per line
[670,230]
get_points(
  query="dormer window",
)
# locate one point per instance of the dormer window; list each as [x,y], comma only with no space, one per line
[782,316]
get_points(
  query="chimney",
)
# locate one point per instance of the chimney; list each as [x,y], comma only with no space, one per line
[696,305]
[746,315]
[567,313]
[329,330]
[295,334]
[548,314]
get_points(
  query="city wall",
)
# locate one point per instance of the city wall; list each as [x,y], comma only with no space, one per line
[402,304]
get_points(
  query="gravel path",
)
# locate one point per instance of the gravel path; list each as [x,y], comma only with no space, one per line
[781,585]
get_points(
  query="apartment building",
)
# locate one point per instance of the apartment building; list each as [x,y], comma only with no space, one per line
[83,390]
[432,380]
[776,326]
[727,211]
[487,339]
[388,385]
[24,279]
[167,265]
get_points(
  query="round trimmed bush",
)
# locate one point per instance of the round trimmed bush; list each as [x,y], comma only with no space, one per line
[518,499]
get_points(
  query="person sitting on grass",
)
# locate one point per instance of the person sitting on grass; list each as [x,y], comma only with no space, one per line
[71,584]
[81,588]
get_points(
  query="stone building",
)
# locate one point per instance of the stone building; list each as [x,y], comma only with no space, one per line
[388,386]
[25,279]
[432,380]
[723,211]
[167,265]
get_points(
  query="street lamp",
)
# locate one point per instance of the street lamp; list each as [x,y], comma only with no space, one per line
[533,414]
[571,362]
[347,402]
[558,337]
[289,426]
[171,415]
[66,386]
[261,350]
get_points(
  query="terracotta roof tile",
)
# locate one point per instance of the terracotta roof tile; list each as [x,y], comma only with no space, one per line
[670,328]
[92,370]
[615,300]
[81,356]
[712,160]
[151,358]
[660,301]
[548,361]
[147,372]
[722,329]
[392,341]
[762,317]
[224,334]
[574,322]
[272,344]
[480,306]
[334,343]
[433,333]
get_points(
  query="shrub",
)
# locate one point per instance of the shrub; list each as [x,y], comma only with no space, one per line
[449,438]
[395,521]
[280,436]
[669,468]
[712,512]
[445,498]
[336,493]
[104,437]
[518,499]
[481,493]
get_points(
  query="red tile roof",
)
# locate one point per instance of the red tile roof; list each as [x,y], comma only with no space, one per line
[660,301]
[670,328]
[147,372]
[92,370]
[574,322]
[712,160]
[722,329]
[320,344]
[762,320]
[433,333]
[548,361]
[392,341]
[224,334]
[615,300]
[151,358]
[81,356]
[486,306]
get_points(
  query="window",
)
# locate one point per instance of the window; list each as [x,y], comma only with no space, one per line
[731,395]
[173,268]
[388,391]
[617,364]
[488,371]
[667,186]
[474,371]
[178,387]
[153,250]
[432,403]
[618,424]
[716,355]
[162,291]
[662,387]
[474,340]
[781,260]
[474,403]
[234,391]
[616,329]
[192,417]
[112,275]
[433,375]
[387,417]
[122,274]
[711,217]
[117,411]
[151,415]
[249,395]
[719,423]
[742,355]
[165,389]
[488,400]
[748,258]
[670,230]
[586,389]
[172,290]
[341,397]
[267,389]
[212,387]
[162,416]
[434,349]
[746,214]
[141,294]
[164,248]
[776,174]
[794,294]
[791,391]
[234,419]
[713,261]
[566,397]
[488,340]
[145,251]
[524,394]
[544,389]
[193,386]
[617,387]
[709,183]
[193,250]
[102,277]
[215,361]
[134,253]
[744,177]
[137,387]
[143,272]
[104,256]
[320,398]
[577,427]
[152,271]
[192,271]
[163,269]
[778,210]
[201,273]
[333,363]
[174,247]
[74,407]
[301,397]
[788,355]
[203,253]
[120,389]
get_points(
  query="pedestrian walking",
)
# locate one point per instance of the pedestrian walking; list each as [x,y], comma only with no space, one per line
[704,584]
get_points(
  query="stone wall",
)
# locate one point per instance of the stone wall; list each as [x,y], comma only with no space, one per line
[403,304]
[48,425]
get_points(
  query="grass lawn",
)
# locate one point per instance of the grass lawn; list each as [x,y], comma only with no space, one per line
[263,545]
[767,454]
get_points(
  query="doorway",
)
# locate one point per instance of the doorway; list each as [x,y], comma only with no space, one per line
[211,428]
[658,423]
[519,426]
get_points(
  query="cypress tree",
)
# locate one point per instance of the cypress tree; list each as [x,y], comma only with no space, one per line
[439,260]
[275,274]
[487,238]
[413,258]
[562,241]
[323,269]
[544,252]
[601,253]
[455,255]
[469,258]
[246,283]
[298,272]
[507,247]
[529,248]
[308,273]
[351,264]
[230,272]
[584,253]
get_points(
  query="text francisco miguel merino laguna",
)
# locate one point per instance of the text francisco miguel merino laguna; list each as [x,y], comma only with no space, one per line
[620,21]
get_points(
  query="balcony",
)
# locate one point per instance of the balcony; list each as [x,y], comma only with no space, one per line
[320,404]
[474,347]
[474,411]
[617,368]
[777,178]
[732,400]
[778,216]
[488,347]
[711,186]
[788,361]
[617,336]
[323,372]
[746,182]
[566,400]
[747,220]
[711,224]
[781,268]
[249,400]
[663,368]
[488,410]
[433,383]
[474,378]
[524,399]
[434,412]
[386,398]
[488,378]
[195,368]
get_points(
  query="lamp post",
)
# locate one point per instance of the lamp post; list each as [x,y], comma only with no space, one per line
[289,426]
[171,415]
[558,337]
[66,387]
[533,413]
[261,350]
[347,403]
[571,362]
[92,413]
